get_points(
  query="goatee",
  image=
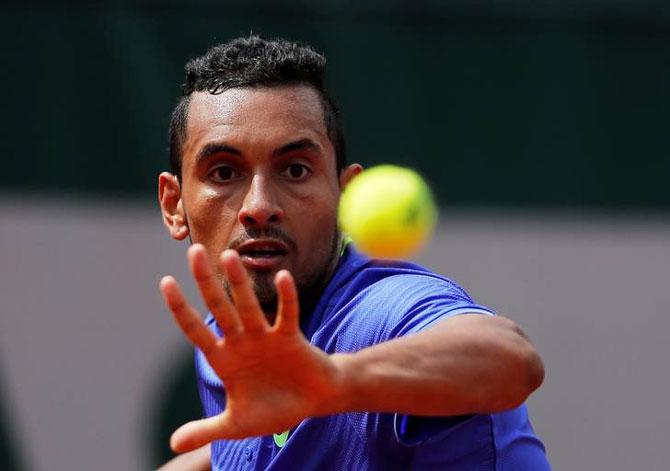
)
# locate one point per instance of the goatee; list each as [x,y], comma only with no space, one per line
[309,285]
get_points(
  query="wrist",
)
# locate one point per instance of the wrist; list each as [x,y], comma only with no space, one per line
[351,382]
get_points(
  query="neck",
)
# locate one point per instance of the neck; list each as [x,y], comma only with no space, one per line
[310,295]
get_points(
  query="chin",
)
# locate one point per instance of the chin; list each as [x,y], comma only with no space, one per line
[265,290]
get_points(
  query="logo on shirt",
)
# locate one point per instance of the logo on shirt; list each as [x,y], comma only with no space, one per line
[280,438]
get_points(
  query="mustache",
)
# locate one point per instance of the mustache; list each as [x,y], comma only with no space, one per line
[266,233]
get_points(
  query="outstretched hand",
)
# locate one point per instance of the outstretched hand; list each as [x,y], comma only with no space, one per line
[273,376]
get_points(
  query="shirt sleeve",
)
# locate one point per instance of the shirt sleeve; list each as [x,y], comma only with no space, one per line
[420,302]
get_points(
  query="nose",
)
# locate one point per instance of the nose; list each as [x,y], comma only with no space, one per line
[260,207]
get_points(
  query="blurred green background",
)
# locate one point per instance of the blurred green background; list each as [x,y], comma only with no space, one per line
[499,103]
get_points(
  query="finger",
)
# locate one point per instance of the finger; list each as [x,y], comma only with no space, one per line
[197,433]
[288,305]
[212,291]
[186,317]
[245,299]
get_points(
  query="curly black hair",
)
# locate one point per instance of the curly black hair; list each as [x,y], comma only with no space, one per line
[254,62]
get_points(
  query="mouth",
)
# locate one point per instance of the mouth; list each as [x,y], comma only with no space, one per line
[263,254]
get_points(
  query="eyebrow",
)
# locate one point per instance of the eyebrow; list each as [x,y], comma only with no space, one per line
[222,148]
[216,148]
[302,144]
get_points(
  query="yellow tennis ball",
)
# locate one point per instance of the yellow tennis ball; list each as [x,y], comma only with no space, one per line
[388,211]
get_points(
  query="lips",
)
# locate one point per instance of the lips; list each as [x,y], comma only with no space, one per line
[265,254]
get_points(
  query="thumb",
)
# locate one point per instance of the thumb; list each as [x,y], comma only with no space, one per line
[197,433]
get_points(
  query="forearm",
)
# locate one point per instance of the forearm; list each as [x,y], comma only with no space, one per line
[466,364]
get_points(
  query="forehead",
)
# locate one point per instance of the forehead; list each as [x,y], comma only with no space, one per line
[255,113]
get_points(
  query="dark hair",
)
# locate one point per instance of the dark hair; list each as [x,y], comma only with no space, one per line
[254,62]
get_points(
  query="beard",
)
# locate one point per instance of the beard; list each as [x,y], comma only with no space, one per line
[309,285]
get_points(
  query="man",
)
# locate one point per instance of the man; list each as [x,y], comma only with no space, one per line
[314,356]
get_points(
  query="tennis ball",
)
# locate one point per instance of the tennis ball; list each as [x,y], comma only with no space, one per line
[388,211]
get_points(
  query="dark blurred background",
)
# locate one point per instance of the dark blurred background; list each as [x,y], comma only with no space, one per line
[542,126]
[531,103]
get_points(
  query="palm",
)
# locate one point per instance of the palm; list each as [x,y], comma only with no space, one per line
[273,377]
[273,380]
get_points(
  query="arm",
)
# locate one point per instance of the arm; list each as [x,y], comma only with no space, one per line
[466,364]
[275,378]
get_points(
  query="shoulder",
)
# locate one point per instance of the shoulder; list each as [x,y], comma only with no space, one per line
[400,285]
[393,278]
[386,299]
[406,283]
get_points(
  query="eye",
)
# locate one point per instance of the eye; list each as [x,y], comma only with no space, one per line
[223,173]
[296,171]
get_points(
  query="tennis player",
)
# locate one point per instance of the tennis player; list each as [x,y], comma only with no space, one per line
[314,356]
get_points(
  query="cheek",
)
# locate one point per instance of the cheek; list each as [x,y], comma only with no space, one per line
[316,223]
[211,218]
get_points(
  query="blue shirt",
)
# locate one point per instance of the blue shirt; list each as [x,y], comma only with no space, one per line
[367,302]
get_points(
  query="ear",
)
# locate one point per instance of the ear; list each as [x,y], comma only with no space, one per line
[172,207]
[348,173]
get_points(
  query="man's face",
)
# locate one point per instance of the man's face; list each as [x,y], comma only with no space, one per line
[259,176]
